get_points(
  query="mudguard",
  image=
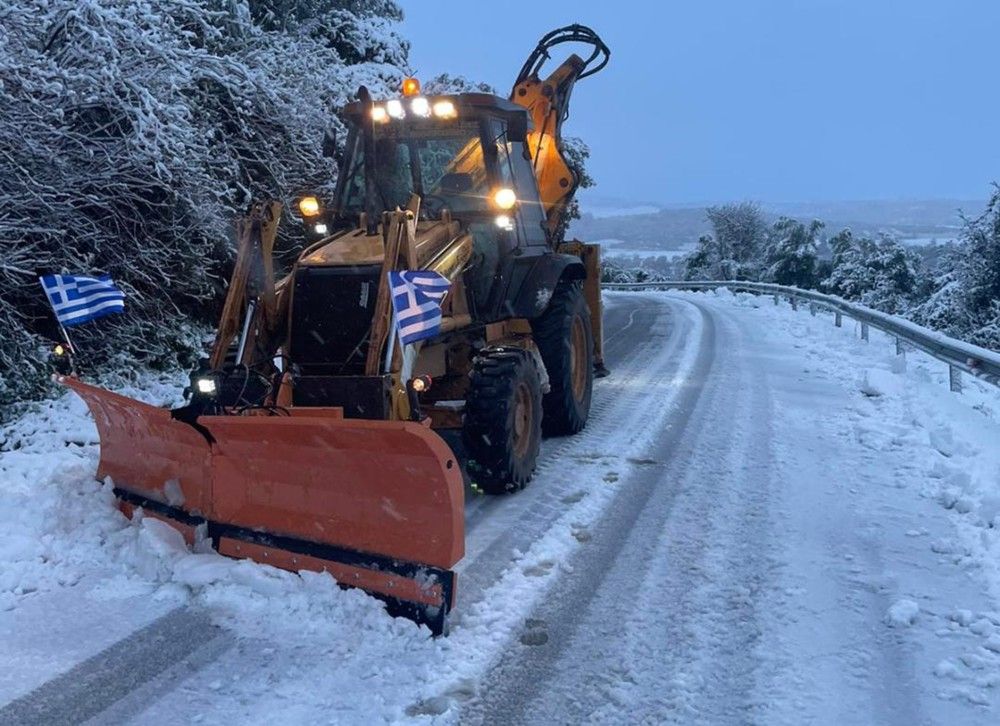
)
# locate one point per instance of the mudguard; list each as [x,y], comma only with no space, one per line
[377,504]
[536,289]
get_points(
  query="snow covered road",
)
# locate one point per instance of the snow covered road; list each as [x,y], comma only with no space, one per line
[766,521]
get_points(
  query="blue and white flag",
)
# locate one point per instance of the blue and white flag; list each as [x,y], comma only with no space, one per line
[77,298]
[416,299]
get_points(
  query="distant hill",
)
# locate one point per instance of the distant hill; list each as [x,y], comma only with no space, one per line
[645,227]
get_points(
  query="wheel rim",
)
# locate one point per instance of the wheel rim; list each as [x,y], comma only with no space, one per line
[578,357]
[523,414]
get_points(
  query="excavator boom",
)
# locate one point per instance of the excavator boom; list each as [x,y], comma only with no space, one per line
[547,101]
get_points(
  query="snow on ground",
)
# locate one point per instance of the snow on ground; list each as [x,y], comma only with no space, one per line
[604,211]
[881,571]
[611,248]
[301,644]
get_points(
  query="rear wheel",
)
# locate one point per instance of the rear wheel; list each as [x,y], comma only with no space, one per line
[566,342]
[503,415]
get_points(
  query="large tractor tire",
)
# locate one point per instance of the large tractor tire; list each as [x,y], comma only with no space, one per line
[565,339]
[503,420]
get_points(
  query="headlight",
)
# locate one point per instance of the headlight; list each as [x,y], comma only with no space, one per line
[206,386]
[379,114]
[309,206]
[420,106]
[395,108]
[445,109]
[504,222]
[320,228]
[420,383]
[504,198]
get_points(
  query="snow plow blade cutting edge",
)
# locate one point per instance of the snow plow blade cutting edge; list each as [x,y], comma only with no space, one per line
[377,504]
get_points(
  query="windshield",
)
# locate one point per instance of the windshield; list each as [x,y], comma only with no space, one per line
[442,164]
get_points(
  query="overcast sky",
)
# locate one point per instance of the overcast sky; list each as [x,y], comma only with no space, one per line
[772,100]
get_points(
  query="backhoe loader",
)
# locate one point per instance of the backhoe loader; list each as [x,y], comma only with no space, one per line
[313,439]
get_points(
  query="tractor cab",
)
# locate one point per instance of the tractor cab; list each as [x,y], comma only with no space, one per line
[465,156]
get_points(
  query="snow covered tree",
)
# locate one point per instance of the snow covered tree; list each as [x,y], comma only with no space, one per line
[966,298]
[446,84]
[735,249]
[792,252]
[879,273]
[134,133]
[576,153]
[980,274]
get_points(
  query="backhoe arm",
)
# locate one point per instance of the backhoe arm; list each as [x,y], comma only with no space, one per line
[547,102]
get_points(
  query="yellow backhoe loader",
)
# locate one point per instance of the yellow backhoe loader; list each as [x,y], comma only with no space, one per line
[314,439]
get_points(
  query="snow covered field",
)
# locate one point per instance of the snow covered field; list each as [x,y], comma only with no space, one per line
[611,248]
[767,520]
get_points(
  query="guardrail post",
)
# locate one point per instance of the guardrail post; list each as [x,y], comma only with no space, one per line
[838,319]
[775,299]
[864,331]
[795,303]
[955,379]
[812,309]
[899,346]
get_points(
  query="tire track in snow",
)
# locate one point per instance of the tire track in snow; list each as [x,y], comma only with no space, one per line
[659,614]
[621,403]
[165,650]
[618,350]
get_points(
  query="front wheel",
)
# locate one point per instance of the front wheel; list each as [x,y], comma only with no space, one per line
[503,417]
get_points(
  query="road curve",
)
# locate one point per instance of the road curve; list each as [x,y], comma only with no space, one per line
[729,582]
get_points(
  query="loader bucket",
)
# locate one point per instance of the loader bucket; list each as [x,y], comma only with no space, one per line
[377,504]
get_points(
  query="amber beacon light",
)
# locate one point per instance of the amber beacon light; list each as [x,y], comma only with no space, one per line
[411,87]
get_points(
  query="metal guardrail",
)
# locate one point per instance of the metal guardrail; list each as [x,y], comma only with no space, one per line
[960,356]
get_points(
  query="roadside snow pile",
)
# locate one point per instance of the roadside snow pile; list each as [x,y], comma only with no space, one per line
[58,525]
[56,522]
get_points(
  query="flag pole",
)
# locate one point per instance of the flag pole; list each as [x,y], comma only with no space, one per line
[65,335]
[71,349]
[390,348]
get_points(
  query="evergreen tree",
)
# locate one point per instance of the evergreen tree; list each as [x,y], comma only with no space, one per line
[792,252]
[735,249]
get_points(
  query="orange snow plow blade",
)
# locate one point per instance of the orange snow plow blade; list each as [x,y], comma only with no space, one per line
[377,504]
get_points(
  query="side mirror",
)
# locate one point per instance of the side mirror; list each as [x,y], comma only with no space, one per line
[517,127]
[330,143]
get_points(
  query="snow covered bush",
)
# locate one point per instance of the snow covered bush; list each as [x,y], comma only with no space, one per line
[613,271]
[446,84]
[966,302]
[735,249]
[879,273]
[133,133]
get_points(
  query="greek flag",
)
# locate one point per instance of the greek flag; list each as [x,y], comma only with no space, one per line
[416,300]
[77,299]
